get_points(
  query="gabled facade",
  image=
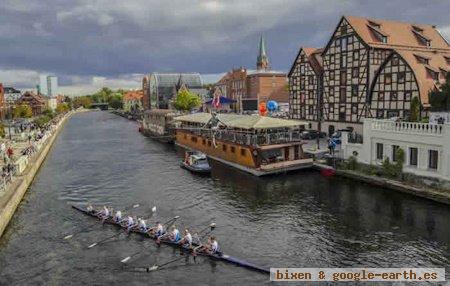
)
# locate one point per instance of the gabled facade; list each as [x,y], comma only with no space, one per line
[373,69]
[305,85]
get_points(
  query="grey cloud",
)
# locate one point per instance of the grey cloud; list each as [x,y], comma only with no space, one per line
[112,38]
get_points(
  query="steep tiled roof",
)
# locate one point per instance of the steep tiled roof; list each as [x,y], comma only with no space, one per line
[436,62]
[399,34]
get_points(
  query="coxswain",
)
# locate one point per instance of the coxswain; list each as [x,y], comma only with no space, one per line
[118,216]
[187,239]
[142,225]
[174,234]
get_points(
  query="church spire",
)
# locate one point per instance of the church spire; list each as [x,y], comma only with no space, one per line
[262,62]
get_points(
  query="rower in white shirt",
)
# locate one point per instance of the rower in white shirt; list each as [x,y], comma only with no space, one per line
[157,230]
[118,216]
[187,239]
[142,225]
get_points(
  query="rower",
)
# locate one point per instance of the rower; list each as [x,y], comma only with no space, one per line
[104,214]
[187,239]
[90,208]
[118,216]
[142,225]
[130,223]
[174,234]
[157,230]
[213,245]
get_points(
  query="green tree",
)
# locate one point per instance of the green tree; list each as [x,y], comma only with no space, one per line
[187,100]
[440,99]
[415,110]
[62,108]
[22,111]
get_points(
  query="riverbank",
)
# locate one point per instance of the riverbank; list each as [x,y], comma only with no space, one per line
[12,194]
[441,196]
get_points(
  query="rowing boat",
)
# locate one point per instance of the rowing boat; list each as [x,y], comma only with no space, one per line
[216,256]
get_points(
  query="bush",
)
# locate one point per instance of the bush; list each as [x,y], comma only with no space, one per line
[2,130]
[394,170]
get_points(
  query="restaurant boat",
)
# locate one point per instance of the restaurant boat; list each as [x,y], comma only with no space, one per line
[158,124]
[255,144]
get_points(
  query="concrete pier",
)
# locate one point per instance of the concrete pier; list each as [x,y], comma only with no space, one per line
[14,192]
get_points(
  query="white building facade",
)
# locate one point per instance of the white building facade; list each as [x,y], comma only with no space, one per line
[48,85]
[426,146]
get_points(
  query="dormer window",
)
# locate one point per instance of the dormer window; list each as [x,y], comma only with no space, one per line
[374,24]
[379,35]
[447,59]
[343,29]
[417,29]
[433,73]
[422,60]
[421,38]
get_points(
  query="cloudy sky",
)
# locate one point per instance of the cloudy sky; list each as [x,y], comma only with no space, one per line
[95,43]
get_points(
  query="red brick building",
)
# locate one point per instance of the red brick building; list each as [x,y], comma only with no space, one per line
[251,87]
[37,103]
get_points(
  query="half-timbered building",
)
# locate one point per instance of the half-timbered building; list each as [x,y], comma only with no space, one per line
[373,69]
[305,85]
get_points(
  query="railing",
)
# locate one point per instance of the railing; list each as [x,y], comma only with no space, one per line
[407,127]
[248,138]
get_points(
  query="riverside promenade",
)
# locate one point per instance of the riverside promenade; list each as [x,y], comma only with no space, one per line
[27,166]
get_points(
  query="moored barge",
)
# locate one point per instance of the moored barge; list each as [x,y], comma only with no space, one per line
[158,124]
[255,144]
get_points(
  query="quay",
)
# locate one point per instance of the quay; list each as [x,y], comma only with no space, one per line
[27,167]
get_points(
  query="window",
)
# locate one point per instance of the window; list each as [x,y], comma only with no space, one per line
[243,152]
[413,156]
[343,44]
[224,148]
[379,151]
[392,113]
[394,95]
[343,60]
[433,159]
[194,139]
[354,90]
[204,141]
[209,143]
[338,42]
[394,152]
[344,29]
[355,108]
[311,110]
[356,55]
[407,95]
[388,78]
[233,149]
[185,136]
[342,95]
[302,68]
[394,61]
[343,77]
[341,116]
[401,77]
[311,94]
[355,72]
[311,79]
[331,75]
[332,91]
[380,114]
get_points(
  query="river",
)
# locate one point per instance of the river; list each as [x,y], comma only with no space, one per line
[297,220]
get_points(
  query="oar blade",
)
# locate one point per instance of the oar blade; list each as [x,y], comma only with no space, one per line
[125,259]
[92,245]
[154,209]
[68,236]
[153,268]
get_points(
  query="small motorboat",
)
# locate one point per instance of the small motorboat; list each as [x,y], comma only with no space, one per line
[196,162]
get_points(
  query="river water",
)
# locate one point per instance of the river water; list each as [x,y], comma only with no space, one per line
[295,220]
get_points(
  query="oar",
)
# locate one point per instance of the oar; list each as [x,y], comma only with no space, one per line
[86,228]
[109,237]
[140,252]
